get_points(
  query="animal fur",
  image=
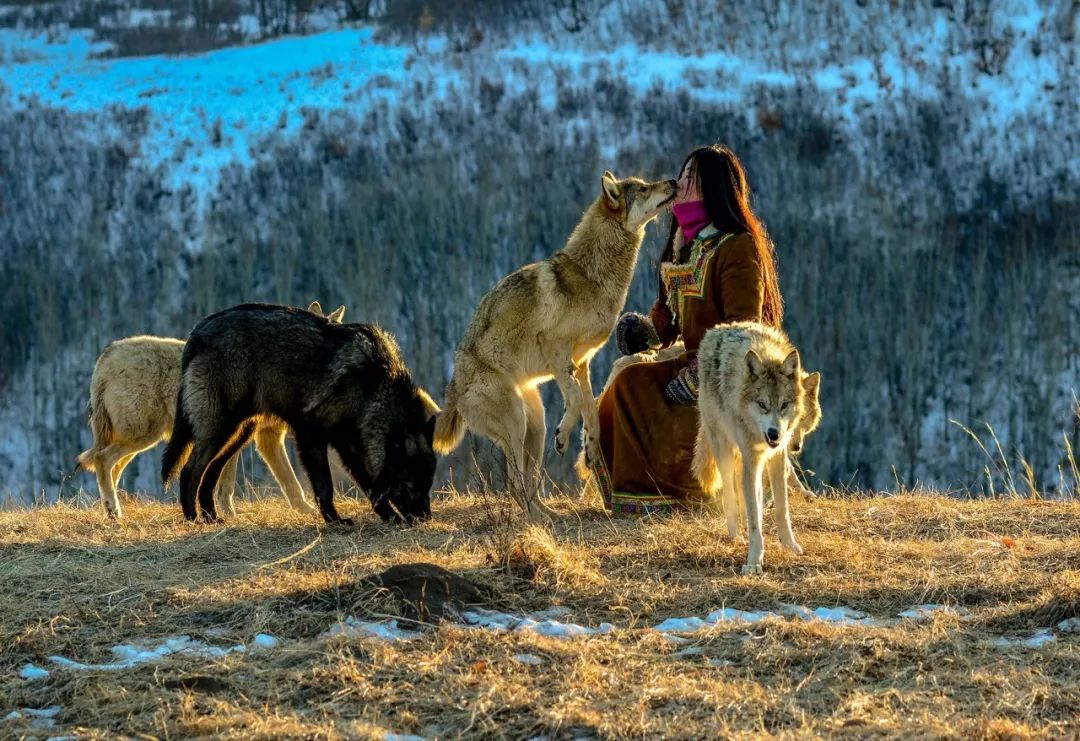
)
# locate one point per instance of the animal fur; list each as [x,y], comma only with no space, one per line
[546,321]
[751,400]
[132,408]
[339,385]
[808,422]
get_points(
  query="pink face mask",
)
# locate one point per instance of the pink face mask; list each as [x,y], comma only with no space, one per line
[692,217]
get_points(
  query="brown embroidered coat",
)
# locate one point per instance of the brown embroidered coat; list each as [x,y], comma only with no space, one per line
[647,443]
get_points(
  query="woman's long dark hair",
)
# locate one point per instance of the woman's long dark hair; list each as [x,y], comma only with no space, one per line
[722,181]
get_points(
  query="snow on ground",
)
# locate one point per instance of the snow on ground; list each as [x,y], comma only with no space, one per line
[31,672]
[129,655]
[541,623]
[387,630]
[38,717]
[925,613]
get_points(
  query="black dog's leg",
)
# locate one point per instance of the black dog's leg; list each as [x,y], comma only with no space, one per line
[214,468]
[187,491]
[314,459]
[206,449]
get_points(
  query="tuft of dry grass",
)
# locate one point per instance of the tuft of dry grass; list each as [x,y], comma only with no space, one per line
[75,583]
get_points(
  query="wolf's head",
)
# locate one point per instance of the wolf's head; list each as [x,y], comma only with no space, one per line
[404,469]
[773,396]
[810,417]
[633,201]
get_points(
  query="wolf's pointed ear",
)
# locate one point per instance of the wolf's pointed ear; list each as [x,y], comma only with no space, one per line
[754,364]
[611,188]
[791,365]
[811,384]
[336,315]
[315,308]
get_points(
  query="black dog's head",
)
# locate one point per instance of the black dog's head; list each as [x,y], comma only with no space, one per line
[401,488]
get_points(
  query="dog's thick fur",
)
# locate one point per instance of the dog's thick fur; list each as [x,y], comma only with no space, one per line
[544,321]
[751,400]
[339,385]
[808,422]
[133,393]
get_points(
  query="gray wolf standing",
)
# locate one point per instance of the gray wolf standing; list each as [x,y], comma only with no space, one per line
[751,400]
[339,385]
[544,321]
[132,407]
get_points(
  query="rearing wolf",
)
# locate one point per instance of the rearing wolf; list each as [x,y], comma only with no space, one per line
[545,321]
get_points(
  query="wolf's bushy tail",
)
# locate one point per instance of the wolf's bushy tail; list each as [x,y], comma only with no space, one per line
[449,425]
[704,466]
[100,424]
[180,442]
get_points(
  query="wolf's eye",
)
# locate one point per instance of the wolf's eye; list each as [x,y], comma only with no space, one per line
[763,406]
[784,406]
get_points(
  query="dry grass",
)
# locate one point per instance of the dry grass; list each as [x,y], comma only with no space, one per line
[75,583]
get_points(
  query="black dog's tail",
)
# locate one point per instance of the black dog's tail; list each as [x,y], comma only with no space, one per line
[179,447]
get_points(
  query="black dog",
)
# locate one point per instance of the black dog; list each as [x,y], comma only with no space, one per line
[343,385]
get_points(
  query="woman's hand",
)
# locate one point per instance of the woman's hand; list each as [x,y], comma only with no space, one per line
[634,333]
[683,388]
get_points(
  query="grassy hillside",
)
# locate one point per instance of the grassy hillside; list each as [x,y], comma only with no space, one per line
[76,584]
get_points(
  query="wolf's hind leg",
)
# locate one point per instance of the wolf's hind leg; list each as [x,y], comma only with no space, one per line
[727,464]
[109,464]
[226,489]
[118,469]
[270,442]
[535,431]
[497,410]
[778,476]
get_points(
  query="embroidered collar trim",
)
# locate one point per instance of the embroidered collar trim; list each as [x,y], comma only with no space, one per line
[687,280]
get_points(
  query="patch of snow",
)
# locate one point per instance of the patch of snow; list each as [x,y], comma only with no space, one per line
[682,625]
[262,640]
[31,672]
[530,659]
[49,712]
[387,630]
[38,717]
[129,655]
[839,615]
[923,613]
[728,614]
[402,737]
[1069,625]
[539,623]
[689,651]
[1038,639]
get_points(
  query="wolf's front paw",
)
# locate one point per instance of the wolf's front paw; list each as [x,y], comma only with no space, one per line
[751,569]
[562,439]
[792,545]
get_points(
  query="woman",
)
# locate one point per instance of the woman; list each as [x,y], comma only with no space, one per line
[718,266]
